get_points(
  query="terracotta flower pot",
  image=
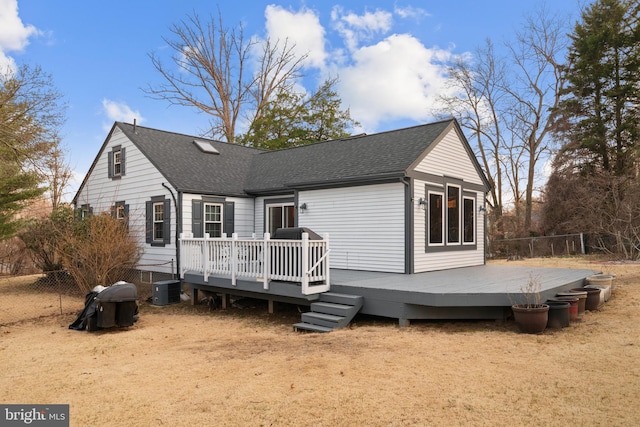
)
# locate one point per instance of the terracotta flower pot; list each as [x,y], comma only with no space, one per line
[531,319]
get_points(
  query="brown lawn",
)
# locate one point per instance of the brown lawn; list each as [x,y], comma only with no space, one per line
[186,366]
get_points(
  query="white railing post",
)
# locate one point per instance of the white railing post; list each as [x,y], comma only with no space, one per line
[205,256]
[327,267]
[304,263]
[182,256]
[234,258]
[266,262]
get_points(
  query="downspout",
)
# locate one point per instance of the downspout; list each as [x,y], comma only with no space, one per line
[178,222]
[409,226]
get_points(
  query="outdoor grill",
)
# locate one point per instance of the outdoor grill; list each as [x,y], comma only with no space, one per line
[112,306]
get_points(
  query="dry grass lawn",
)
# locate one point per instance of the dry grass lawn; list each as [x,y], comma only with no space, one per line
[186,366]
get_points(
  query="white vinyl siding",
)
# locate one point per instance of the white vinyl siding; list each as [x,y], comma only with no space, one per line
[243,221]
[441,260]
[141,182]
[449,158]
[365,225]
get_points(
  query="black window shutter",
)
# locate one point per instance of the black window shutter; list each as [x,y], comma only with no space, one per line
[149,222]
[122,161]
[166,226]
[110,164]
[228,217]
[196,218]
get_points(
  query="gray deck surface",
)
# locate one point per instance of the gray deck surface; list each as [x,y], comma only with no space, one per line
[481,292]
[497,285]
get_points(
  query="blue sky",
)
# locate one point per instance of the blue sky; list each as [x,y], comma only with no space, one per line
[389,55]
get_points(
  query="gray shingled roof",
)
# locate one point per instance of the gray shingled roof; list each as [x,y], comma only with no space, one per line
[369,157]
[240,170]
[187,168]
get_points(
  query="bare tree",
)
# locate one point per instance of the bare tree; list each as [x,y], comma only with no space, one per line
[215,72]
[478,95]
[506,104]
[536,91]
[58,174]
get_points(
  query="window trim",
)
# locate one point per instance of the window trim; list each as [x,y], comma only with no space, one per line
[442,219]
[449,223]
[154,222]
[204,217]
[282,201]
[474,219]
[150,236]
[466,192]
[118,152]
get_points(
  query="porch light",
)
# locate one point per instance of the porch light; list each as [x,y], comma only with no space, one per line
[422,203]
[482,209]
[302,207]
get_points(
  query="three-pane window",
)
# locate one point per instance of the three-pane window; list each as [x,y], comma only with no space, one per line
[451,224]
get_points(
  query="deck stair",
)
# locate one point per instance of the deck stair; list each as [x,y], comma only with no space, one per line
[331,311]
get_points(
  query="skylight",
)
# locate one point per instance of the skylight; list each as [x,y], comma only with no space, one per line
[205,147]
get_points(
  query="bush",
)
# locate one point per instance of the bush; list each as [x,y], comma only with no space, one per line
[96,248]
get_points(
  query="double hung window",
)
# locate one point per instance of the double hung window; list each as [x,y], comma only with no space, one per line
[213,219]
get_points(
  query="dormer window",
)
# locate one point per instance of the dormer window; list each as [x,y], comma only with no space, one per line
[116,162]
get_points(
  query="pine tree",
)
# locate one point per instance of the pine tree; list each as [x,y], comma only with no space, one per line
[599,115]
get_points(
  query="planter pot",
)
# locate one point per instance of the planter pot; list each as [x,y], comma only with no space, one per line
[531,320]
[582,299]
[605,292]
[558,314]
[593,298]
[602,280]
[573,305]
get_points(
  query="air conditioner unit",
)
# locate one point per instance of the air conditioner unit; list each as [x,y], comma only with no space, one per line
[166,292]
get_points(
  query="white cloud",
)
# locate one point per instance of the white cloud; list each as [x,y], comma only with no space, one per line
[120,112]
[302,27]
[397,78]
[410,12]
[355,28]
[14,35]
[382,77]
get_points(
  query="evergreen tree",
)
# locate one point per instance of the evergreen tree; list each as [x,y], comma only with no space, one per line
[293,119]
[30,115]
[599,115]
[594,186]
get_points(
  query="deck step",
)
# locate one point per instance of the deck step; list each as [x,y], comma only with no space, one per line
[322,319]
[311,327]
[331,308]
[331,311]
[340,298]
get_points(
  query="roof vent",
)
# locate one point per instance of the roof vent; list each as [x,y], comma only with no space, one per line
[205,147]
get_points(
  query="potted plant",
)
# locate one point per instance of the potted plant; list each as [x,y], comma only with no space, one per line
[531,316]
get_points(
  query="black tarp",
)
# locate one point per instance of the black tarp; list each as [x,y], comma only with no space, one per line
[89,311]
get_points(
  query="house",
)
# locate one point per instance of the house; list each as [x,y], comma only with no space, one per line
[402,214]
[404,201]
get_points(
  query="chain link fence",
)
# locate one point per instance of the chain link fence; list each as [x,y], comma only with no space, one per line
[543,246]
[33,296]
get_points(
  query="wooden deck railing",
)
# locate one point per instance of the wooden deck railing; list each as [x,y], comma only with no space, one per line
[304,261]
